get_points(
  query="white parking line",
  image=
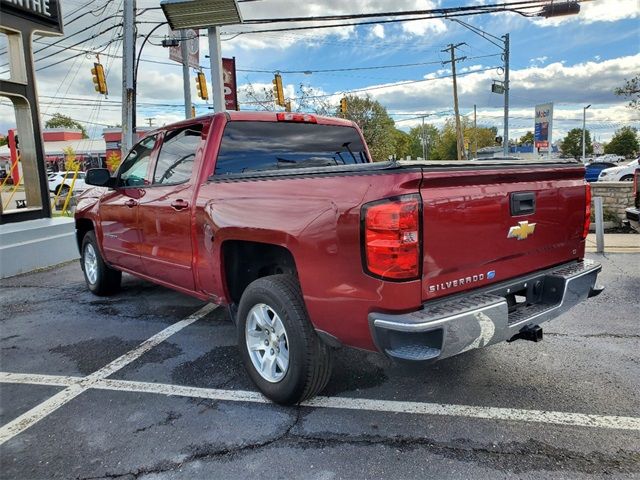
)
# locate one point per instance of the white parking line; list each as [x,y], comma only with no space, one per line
[37,413]
[611,422]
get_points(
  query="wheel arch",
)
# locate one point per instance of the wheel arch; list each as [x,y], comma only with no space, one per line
[244,261]
[83,225]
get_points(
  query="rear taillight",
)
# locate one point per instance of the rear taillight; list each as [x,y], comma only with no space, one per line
[391,238]
[587,211]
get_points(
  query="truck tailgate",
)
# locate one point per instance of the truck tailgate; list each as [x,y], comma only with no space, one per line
[484,224]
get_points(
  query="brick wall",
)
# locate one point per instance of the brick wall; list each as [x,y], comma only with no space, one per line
[616,196]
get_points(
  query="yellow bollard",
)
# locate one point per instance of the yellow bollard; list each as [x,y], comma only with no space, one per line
[6,179]
[55,197]
[13,192]
[70,192]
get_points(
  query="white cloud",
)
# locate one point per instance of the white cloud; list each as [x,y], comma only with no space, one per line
[378,31]
[539,60]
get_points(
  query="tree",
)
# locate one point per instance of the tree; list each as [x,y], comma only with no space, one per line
[630,89]
[431,135]
[3,140]
[62,121]
[572,143]
[445,147]
[70,162]
[402,144]
[376,125]
[527,138]
[624,142]
[484,136]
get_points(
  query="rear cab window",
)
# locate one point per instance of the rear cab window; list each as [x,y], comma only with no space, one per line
[250,146]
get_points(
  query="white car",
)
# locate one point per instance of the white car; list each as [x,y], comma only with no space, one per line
[59,184]
[623,173]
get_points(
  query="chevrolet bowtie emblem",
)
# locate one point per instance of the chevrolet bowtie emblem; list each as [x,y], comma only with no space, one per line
[522,230]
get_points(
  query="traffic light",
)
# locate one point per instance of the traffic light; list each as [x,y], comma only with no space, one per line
[278,93]
[287,106]
[99,80]
[343,106]
[201,86]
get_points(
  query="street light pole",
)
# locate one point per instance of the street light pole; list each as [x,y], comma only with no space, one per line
[584,133]
[505,134]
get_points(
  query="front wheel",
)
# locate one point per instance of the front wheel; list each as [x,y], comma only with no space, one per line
[627,178]
[101,279]
[280,350]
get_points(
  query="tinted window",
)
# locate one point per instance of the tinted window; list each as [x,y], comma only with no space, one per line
[254,146]
[175,160]
[133,171]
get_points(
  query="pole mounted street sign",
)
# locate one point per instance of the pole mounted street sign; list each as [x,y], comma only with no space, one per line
[193,46]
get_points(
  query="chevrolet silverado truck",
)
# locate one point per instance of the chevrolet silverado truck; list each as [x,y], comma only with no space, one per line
[284,219]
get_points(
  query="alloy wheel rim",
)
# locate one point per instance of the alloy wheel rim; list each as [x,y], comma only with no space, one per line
[90,264]
[267,343]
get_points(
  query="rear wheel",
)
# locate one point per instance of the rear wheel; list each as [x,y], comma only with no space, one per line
[280,350]
[100,278]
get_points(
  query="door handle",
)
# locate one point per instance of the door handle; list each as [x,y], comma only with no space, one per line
[179,204]
[131,203]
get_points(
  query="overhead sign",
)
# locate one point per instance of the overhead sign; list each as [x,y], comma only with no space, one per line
[543,125]
[230,84]
[45,13]
[193,46]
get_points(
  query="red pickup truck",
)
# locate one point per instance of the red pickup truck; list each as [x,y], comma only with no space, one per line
[284,219]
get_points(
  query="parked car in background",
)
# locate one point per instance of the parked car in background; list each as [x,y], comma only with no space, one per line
[622,173]
[611,158]
[593,170]
[633,213]
[60,182]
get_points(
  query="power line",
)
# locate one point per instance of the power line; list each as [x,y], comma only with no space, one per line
[355,69]
[507,6]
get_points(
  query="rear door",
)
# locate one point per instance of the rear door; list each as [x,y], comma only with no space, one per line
[484,225]
[165,211]
[119,208]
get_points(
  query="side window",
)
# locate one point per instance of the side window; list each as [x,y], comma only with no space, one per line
[133,171]
[177,155]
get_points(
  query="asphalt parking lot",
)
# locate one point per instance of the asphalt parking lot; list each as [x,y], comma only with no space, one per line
[148,384]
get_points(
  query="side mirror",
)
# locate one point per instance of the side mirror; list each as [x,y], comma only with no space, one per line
[99,177]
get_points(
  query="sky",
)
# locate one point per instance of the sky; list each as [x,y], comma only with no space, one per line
[571,61]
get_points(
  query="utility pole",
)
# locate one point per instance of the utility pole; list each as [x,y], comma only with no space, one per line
[186,81]
[475,132]
[424,142]
[217,81]
[584,133]
[149,121]
[459,138]
[505,134]
[128,62]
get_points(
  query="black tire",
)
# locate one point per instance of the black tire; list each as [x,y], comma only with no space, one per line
[627,178]
[63,190]
[309,359]
[107,280]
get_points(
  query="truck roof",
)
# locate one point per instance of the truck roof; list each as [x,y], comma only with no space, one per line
[246,116]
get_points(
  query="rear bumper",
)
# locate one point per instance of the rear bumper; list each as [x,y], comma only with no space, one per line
[447,327]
